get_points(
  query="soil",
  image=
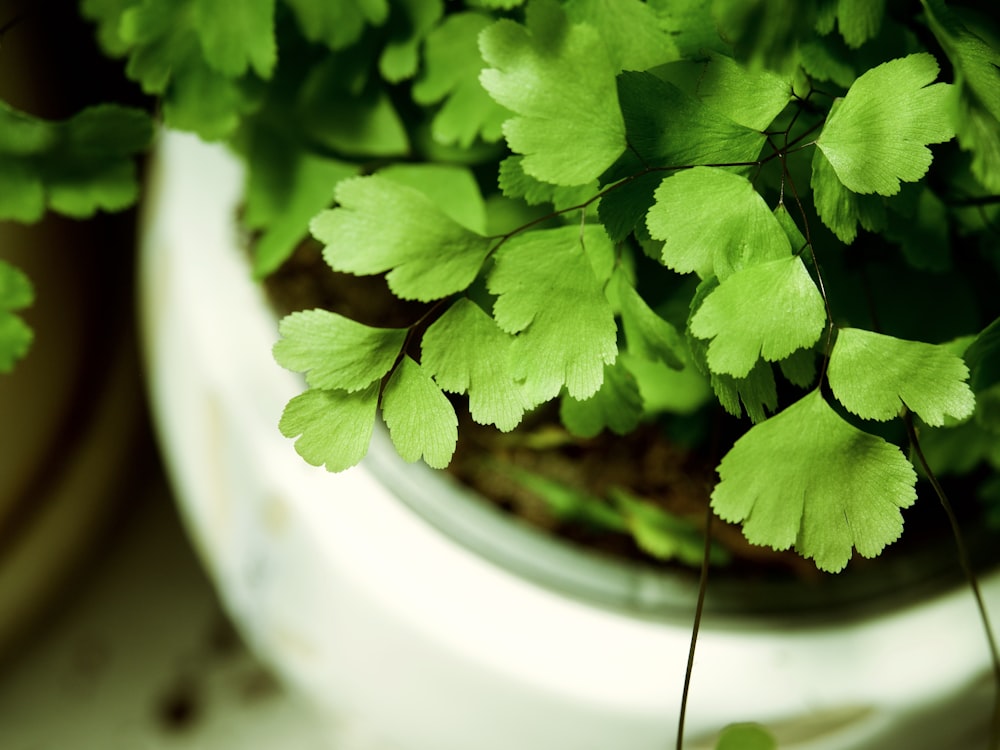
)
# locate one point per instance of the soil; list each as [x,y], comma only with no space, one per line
[645,463]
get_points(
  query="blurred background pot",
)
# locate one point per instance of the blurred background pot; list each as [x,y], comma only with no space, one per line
[428,620]
[71,412]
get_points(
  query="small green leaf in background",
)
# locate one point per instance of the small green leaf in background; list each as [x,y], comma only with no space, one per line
[664,535]
[75,167]
[745,736]
[874,375]
[548,294]
[859,20]
[338,24]
[421,420]
[237,35]
[466,352]
[333,427]
[16,293]
[636,40]
[768,310]
[450,75]
[336,352]
[407,28]
[983,357]
[757,392]
[616,406]
[559,80]
[977,77]
[568,503]
[878,135]
[382,225]
[714,222]
[806,477]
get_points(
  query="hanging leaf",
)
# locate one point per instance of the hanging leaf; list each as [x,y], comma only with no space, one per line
[878,135]
[768,310]
[559,80]
[333,427]
[450,75]
[336,352]
[714,222]
[382,226]
[874,375]
[616,406]
[757,392]
[859,20]
[75,167]
[421,420]
[549,295]
[16,293]
[977,77]
[839,208]
[648,335]
[833,488]
[466,352]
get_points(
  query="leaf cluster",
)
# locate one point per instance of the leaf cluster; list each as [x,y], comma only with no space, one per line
[687,207]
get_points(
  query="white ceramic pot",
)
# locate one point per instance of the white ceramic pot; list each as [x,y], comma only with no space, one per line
[432,622]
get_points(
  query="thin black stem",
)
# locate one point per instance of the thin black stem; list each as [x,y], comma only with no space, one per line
[966,563]
[695,626]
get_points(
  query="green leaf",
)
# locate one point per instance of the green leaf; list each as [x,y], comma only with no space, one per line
[616,406]
[745,737]
[750,98]
[339,24]
[765,33]
[451,188]
[237,35]
[680,129]
[515,183]
[75,167]
[768,310]
[408,25]
[550,296]
[286,186]
[559,80]
[382,226]
[714,222]
[983,357]
[450,74]
[662,534]
[665,390]
[333,427]
[757,392]
[167,58]
[648,335]
[421,420]
[878,135]
[977,77]
[859,20]
[336,352]
[799,368]
[466,352]
[568,503]
[839,208]
[835,487]
[634,37]
[874,375]
[16,293]
[348,115]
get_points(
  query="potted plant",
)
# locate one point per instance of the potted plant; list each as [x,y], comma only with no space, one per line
[645,213]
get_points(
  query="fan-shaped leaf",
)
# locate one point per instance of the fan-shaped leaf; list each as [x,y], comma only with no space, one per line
[833,487]
[878,135]
[421,420]
[559,80]
[333,427]
[874,375]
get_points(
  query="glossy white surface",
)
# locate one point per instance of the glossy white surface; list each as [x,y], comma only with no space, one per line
[389,625]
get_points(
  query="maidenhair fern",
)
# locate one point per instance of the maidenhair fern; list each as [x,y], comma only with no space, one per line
[628,208]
